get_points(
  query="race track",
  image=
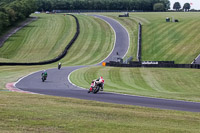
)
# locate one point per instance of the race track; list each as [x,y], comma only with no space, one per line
[57,83]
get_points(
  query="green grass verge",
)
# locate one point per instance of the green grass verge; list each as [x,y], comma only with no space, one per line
[37,113]
[182,84]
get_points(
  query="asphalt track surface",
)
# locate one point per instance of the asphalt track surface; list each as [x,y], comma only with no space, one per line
[58,84]
[197,60]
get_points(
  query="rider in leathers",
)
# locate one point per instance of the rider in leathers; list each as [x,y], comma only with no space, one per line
[100,82]
[44,74]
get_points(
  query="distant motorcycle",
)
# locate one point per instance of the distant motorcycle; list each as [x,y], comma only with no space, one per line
[44,78]
[44,75]
[59,66]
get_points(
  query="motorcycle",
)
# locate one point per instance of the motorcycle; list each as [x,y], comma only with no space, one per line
[94,87]
[44,78]
[59,66]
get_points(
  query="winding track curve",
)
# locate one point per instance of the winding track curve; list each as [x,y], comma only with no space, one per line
[59,85]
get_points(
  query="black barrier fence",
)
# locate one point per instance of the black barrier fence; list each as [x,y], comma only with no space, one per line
[51,60]
[161,64]
[139,48]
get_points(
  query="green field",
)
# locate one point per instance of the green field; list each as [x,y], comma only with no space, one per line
[181,84]
[94,43]
[47,37]
[38,113]
[162,41]
[41,40]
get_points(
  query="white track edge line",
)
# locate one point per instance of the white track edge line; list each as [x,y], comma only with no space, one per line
[115,32]
[130,94]
[114,41]
[110,52]
[22,79]
[196,58]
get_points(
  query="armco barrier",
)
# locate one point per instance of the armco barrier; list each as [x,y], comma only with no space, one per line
[51,60]
[161,65]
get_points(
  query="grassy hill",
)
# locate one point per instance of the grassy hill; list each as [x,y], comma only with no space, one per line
[24,113]
[41,40]
[38,113]
[47,37]
[165,83]
[164,41]
[94,43]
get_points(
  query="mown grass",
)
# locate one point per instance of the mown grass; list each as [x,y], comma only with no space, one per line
[182,84]
[47,37]
[162,41]
[40,40]
[37,113]
[172,41]
[94,43]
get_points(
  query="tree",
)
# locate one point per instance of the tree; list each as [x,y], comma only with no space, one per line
[159,7]
[166,4]
[186,7]
[177,6]
[4,21]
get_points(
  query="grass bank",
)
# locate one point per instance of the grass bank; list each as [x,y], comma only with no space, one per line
[40,40]
[182,84]
[37,113]
[162,41]
[47,37]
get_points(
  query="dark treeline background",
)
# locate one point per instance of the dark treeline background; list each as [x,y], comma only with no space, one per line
[13,10]
[145,5]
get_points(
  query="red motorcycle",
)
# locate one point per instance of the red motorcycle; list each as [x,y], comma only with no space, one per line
[94,87]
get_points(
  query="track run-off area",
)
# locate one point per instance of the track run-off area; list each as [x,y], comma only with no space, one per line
[58,83]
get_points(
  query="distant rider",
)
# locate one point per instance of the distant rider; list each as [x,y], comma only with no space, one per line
[59,65]
[44,74]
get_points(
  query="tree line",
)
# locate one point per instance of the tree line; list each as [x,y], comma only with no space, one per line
[14,10]
[145,5]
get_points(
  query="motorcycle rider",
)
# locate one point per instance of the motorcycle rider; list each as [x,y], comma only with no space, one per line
[59,65]
[44,74]
[100,82]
